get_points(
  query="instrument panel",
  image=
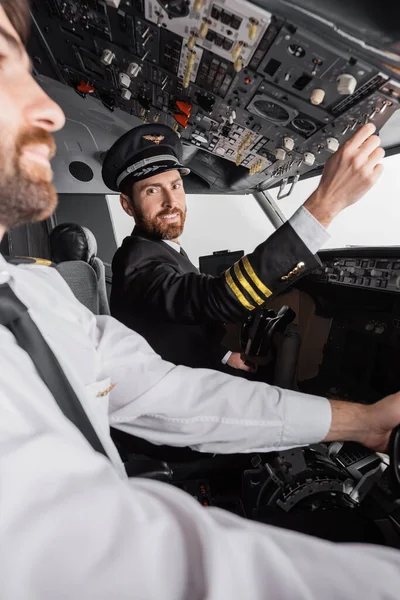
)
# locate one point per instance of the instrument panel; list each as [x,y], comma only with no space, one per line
[260,100]
[367,273]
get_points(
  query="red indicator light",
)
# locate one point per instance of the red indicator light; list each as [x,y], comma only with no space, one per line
[247,80]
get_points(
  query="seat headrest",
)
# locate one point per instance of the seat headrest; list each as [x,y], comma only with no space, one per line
[70,241]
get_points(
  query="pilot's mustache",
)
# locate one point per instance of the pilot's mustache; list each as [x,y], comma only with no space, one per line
[36,136]
[166,212]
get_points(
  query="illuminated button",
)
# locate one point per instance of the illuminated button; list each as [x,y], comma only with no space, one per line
[376,273]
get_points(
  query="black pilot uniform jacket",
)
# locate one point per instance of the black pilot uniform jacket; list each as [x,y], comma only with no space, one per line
[160,294]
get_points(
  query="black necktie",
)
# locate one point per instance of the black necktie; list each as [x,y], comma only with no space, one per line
[14,315]
[183,253]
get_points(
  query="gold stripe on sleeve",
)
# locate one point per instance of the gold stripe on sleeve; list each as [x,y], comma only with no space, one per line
[237,292]
[250,271]
[246,285]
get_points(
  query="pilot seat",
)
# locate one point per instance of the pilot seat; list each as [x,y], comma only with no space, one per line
[74,252]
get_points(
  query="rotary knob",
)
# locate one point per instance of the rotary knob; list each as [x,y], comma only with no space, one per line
[107,57]
[280,154]
[332,144]
[288,143]
[346,84]
[317,96]
[124,80]
[133,69]
[126,94]
[309,159]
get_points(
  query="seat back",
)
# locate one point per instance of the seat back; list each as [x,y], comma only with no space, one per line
[82,280]
[74,250]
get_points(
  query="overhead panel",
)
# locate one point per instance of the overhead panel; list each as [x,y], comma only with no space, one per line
[266,99]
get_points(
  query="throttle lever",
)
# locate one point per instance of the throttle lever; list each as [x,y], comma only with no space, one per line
[394,453]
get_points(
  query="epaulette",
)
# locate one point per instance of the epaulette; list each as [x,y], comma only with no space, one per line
[29,260]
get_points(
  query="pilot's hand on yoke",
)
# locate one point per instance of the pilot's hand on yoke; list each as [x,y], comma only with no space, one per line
[370,425]
[237,361]
[348,175]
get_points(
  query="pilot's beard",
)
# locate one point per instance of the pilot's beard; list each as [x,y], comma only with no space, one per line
[27,194]
[161,231]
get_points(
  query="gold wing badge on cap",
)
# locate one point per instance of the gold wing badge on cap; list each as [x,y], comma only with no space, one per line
[154,138]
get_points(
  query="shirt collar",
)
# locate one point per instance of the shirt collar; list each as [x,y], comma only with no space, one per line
[173,245]
[5,274]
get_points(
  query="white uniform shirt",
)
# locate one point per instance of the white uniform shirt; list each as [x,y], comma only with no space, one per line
[72,527]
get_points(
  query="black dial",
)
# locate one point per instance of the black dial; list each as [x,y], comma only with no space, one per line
[304,125]
[271,110]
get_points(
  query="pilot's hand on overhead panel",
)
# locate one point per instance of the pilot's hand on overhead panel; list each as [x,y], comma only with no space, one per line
[348,175]
[236,361]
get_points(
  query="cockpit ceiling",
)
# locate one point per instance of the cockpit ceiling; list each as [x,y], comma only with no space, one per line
[260,93]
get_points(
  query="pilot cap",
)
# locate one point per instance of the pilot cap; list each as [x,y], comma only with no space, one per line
[143,152]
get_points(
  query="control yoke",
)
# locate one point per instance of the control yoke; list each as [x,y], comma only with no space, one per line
[259,330]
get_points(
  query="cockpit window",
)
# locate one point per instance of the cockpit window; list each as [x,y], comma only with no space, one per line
[373,221]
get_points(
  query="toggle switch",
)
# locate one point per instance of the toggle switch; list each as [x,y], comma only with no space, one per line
[197,6]
[204,29]
[237,50]
[238,64]
[191,41]
[253,29]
